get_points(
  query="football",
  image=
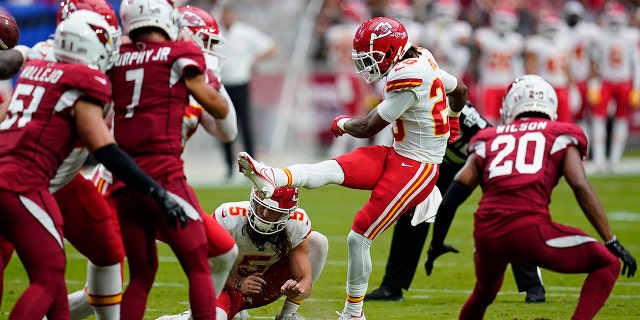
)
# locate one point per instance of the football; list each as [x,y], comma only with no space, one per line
[9,32]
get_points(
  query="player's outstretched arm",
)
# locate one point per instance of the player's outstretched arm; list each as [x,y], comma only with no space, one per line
[573,171]
[11,61]
[458,97]
[300,286]
[588,200]
[225,129]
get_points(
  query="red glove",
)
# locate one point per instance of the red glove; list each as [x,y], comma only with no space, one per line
[337,131]
[454,129]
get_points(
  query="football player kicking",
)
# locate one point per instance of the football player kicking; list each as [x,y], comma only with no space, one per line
[517,165]
[279,255]
[399,176]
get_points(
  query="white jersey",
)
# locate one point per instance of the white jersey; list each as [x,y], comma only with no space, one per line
[501,57]
[617,56]
[420,130]
[552,56]
[68,169]
[581,39]
[233,217]
[447,43]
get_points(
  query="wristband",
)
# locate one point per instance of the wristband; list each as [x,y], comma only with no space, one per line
[238,284]
[341,123]
[611,241]
[453,113]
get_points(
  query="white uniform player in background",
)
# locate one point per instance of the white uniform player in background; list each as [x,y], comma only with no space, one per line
[447,37]
[279,255]
[617,64]
[399,177]
[581,37]
[496,60]
[547,54]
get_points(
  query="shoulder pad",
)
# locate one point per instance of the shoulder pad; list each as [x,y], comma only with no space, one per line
[404,75]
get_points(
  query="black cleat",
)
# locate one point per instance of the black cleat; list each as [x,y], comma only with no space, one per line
[384,294]
[535,294]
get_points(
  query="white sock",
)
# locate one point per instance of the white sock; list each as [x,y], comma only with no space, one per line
[220,314]
[318,249]
[599,131]
[220,267]
[79,305]
[619,136]
[290,307]
[358,272]
[104,287]
[316,175]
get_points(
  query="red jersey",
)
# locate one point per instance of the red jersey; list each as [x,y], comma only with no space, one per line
[150,95]
[39,130]
[521,163]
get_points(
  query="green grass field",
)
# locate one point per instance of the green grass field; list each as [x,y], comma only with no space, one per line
[439,296]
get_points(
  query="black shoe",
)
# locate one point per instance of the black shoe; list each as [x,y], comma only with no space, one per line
[384,293]
[535,294]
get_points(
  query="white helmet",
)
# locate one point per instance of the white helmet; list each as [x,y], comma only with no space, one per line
[163,14]
[284,201]
[84,38]
[529,93]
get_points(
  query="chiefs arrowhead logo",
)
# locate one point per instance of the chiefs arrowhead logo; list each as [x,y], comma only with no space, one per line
[382,30]
[191,19]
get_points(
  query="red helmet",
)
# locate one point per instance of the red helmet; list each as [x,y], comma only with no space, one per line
[504,18]
[615,15]
[377,45]
[101,7]
[284,201]
[201,26]
[549,23]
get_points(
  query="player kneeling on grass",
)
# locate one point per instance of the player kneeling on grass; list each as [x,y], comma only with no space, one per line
[278,255]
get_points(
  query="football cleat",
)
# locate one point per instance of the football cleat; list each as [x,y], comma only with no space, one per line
[347,316]
[261,175]
[289,316]
[535,294]
[183,316]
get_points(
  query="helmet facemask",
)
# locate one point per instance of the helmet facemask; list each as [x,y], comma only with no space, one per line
[368,66]
[529,93]
[283,202]
[84,37]
[378,44]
